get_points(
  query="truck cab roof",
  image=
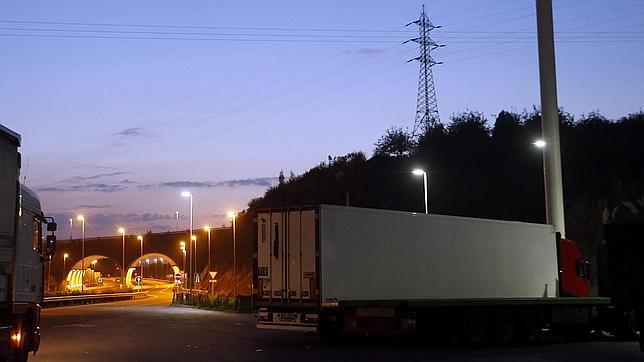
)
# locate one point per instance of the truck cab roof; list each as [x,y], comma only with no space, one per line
[10,135]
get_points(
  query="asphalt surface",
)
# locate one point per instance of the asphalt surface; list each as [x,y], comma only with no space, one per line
[150,329]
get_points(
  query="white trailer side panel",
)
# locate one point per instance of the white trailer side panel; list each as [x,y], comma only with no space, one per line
[368,254]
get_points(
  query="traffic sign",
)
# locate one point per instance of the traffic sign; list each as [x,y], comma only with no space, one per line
[138,279]
[100,280]
[177,277]
[212,275]
[197,278]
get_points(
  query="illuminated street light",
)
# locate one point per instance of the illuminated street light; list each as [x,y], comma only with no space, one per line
[207,228]
[191,196]
[65,256]
[539,143]
[122,231]
[194,249]
[81,218]
[419,172]
[232,215]
[141,262]
[182,246]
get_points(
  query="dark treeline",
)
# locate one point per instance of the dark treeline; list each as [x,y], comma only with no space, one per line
[487,169]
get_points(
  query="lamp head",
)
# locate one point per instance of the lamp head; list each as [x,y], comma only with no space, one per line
[418,172]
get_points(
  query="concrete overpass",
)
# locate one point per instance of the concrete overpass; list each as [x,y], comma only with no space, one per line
[162,248]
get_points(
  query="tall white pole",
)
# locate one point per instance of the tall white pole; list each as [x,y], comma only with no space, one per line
[550,118]
[191,249]
[234,261]
[82,254]
[425,185]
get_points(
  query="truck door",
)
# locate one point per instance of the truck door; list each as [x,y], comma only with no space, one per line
[301,255]
[286,255]
[271,268]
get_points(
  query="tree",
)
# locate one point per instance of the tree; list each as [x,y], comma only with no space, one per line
[395,142]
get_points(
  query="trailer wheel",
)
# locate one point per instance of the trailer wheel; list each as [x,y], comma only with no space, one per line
[329,326]
[530,326]
[475,328]
[505,327]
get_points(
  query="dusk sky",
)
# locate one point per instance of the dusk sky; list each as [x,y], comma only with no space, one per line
[122,105]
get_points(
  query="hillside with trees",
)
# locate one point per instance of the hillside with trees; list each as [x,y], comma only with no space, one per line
[487,168]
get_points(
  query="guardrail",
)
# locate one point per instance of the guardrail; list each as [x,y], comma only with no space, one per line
[49,302]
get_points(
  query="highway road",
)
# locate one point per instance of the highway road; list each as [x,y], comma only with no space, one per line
[150,329]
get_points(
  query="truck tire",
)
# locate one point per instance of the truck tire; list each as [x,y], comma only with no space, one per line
[475,328]
[329,326]
[530,330]
[505,327]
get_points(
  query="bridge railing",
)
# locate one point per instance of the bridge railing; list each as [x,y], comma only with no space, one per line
[87,299]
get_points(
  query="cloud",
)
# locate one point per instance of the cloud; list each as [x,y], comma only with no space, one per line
[94,206]
[130,132]
[261,181]
[93,177]
[90,187]
[258,181]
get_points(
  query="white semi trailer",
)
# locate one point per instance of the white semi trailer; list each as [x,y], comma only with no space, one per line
[23,249]
[336,269]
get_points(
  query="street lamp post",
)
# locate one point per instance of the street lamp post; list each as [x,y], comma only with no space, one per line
[419,172]
[81,218]
[207,228]
[140,237]
[182,246]
[65,256]
[193,238]
[191,196]
[232,215]
[122,231]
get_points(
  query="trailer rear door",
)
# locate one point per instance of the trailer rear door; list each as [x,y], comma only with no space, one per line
[286,256]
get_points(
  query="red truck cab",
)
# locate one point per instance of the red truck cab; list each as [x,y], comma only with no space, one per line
[574,272]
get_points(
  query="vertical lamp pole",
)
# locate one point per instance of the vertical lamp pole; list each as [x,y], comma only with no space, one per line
[191,196]
[140,237]
[232,215]
[182,246]
[122,231]
[177,214]
[81,218]
[550,117]
[207,228]
[194,259]
[419,172]
[65,256]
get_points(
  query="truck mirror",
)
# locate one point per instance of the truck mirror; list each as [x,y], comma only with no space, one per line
[587,269]
[50,246]
[51,226]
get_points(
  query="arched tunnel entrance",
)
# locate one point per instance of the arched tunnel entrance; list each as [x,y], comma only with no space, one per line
[153,266]
[96,267]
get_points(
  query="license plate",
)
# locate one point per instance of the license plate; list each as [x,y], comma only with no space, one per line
[288,317]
